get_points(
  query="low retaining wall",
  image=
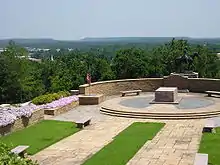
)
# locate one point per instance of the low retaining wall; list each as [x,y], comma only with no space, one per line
[23,122]
[150,85]
[114,87]
[203,84]
[59,110]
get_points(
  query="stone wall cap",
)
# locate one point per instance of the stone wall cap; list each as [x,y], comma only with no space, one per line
[166,89]
[122,80]
[91,95]
[204,79]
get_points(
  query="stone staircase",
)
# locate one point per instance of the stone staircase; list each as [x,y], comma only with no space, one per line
[162,116]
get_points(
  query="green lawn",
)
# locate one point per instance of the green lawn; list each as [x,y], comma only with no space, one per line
[125,145]
[41,135]
[210,144]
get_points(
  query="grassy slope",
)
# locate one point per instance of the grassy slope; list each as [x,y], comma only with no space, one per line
[125,145]
[210,145]
[41,135]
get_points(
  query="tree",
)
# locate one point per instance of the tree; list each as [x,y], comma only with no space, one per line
[10,86]
[130,63]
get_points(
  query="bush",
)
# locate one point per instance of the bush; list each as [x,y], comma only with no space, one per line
[10,159]
[47,98]
[63,93]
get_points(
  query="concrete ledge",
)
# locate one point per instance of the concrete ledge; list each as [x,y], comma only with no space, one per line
[60,110]
[91,99]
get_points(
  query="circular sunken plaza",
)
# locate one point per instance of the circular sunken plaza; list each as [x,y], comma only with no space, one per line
[193,102]
[191,106]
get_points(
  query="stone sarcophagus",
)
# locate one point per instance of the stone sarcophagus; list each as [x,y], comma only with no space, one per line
[166,94]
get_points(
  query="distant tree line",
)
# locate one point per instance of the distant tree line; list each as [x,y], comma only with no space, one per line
[22,79]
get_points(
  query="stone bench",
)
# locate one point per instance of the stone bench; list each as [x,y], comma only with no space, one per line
[74,92]
[83,122]
[20,150]
[201,159]
[210,93]
[131,91]
[210,126]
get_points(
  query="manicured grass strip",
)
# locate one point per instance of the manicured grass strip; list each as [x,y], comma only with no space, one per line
[210,144]
[125,144]
[41,135]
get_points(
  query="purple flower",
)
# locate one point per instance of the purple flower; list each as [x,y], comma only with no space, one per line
[60,102]
[8,115]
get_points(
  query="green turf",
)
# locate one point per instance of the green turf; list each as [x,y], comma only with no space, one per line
[125,145]
[210,144]
[41,135]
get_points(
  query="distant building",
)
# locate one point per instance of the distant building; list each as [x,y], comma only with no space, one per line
[35,59]
[218,54]
[30,58]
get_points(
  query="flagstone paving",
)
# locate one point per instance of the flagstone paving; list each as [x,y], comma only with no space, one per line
[80,146]
[176,144]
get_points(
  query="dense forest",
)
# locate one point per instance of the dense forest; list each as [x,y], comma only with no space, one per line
[22,79]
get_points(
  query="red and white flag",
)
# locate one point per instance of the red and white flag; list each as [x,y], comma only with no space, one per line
[88,78]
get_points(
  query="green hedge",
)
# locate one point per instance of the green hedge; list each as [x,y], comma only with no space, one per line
[47,98]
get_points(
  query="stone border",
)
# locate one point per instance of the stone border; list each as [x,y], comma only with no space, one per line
[23,122]
[60,110]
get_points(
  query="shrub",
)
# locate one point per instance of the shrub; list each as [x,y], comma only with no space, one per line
[10,159]
[47,98]
[63,93]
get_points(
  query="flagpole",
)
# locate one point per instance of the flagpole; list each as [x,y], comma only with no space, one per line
[88,78]
[89,89]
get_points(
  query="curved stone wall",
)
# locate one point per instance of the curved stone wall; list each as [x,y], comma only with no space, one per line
[115,86]
[203,84]
[150,84]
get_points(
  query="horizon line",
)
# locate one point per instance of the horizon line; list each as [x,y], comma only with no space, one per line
[82,38]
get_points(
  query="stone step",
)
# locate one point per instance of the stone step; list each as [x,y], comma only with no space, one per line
[160,118]
[200,116]
[161,115]
[165,113]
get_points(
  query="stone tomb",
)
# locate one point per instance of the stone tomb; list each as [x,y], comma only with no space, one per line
[166,95]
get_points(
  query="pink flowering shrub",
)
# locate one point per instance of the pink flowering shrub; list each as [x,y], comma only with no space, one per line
[8,115]
[60,102]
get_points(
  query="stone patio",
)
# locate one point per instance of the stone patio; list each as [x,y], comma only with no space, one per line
[176,143]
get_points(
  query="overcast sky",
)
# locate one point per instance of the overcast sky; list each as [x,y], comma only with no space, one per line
[75,19]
